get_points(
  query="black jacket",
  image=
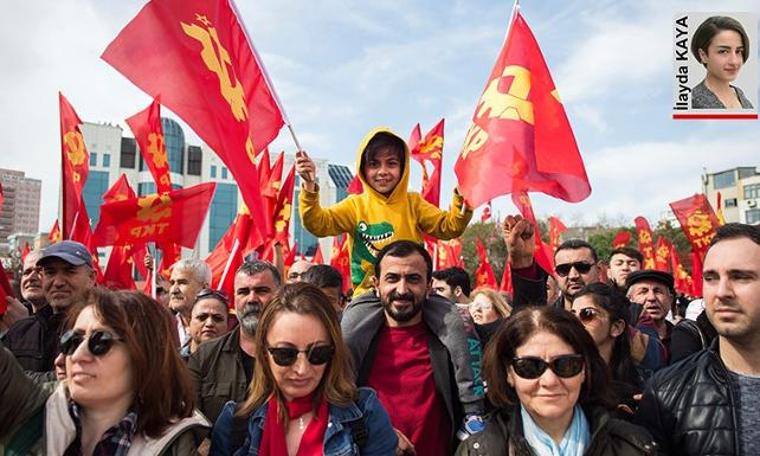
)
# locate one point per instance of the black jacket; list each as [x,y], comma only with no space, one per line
[609,436]
[34,340]
[689,407]
[689,337]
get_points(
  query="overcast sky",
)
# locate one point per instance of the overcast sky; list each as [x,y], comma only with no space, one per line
[342,67]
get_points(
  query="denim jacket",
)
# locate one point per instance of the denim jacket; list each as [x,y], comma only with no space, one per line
[381,439]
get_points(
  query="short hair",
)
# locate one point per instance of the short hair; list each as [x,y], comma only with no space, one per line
[711,27]
[455,277]
[250,268]
[337,385]
[499,302]
[380,141]
[735,231]
[629,252]
[162,385]
[403,249]
[323,276]
[575,244]
[523,324]
[197,267]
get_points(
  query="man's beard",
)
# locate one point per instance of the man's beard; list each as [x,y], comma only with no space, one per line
[407,313]
[249,318]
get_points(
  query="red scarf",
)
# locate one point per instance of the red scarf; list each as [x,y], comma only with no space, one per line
[273,441]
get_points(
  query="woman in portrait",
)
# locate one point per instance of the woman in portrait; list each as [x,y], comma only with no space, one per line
[722,46]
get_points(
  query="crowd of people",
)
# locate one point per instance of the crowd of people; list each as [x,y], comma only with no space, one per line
[418,363]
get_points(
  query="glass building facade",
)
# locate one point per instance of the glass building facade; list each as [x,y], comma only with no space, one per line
[94,187]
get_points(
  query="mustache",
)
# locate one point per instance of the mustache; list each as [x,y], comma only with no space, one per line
[393,296]
[250,309]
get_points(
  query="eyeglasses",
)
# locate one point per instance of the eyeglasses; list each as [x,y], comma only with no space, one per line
[316,354]
[211,293]
[99,343]
[587,314]
[474,305]
[564,269]
[532,367]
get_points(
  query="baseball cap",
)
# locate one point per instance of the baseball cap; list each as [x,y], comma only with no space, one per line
[72,252]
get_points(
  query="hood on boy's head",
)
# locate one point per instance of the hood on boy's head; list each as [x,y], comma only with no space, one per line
[379,138]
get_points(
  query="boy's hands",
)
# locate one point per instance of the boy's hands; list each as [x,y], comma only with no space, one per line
[519,235]
[306,168]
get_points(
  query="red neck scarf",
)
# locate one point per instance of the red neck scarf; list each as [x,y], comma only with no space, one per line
[273,442]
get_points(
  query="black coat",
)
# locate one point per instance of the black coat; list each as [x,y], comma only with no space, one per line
[609,436]
[689,407]
[35,340]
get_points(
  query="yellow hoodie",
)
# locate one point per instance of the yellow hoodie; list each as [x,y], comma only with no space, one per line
[373,220]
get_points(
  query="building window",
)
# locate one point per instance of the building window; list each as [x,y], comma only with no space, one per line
[752,191]
[174,140]
[93,159]
[194,160]
[106,160]
[753,216]
[146,188]
[128,151]
[730,202]
[747,172]
[224,172]
[724,179]
[96,185]
[222,212]
[213,171]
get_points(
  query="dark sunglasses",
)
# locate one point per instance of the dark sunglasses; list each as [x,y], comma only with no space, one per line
[587,314]
[211,293]
[532,367]
[316,354]
[564,269]
[99,342]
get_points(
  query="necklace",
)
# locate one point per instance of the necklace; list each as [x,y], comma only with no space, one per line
[301,424]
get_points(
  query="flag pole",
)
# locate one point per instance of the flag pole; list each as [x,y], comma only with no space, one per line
[233,254]
[264,72]
[154,274]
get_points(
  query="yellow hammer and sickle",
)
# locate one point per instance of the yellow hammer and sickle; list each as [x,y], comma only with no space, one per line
[514,103]
[154,208]
[250,151]
[157,149]
[74,145]
[217,60]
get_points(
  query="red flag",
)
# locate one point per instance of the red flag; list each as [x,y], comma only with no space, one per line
[449,254]
[283,210]
[75,161]
[429,150]
[55,233]
[290,257]
[683,282]
[719,210]
[318,257]
[119,191]
[621,239]
[264,168]
[662,254]
[520,138]
[197,56]
[118,274]
[556,228]
[274,182]
[646,243]
[506,278]
[339,259]
[355,186]
[544,252]
[696,273]
[174,217]
[484,276]
[25,251]
[5,290]
[698,221]
[229,252]
[146,126]
[485,217]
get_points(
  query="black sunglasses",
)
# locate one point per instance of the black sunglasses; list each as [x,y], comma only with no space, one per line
[587,314]
[99,342]
[316,354]
[532,367]
[564,269]
[211,293]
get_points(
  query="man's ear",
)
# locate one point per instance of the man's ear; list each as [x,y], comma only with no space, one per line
[458,291]
[374,282]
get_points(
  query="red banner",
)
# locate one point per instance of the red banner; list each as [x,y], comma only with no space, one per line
[698,221]
[683,282]
[646,243]
[544,252]
[174,217]
[229,252]
[449,254]
[520,138]
[149,134]
[429,150]
[484,276]
[196,55]
[339,259]
[621,239]
[662,254]
[55,233]
[75,161]
[556,228]
[5,290]
[506,278]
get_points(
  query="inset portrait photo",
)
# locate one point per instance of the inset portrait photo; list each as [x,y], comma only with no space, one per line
[715,66]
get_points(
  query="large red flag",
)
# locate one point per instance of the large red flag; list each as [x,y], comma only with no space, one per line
[196,55]
[484,276]
[506,278]
[174,217]
[149,134]
[698,222]
[621,239]
[544,252]
[556,228]
[430,150]
[662,254]
[75,161]
[118,272]
[520,138]
[119,191]
[646,243]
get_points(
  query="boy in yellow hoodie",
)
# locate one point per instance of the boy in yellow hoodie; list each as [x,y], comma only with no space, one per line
[384,212]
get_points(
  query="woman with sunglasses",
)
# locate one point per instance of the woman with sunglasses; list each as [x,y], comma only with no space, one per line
[603,311]
[302,400]
[549,386]
[126,390]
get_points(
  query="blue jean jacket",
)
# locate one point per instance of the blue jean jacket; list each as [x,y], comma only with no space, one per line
[381,439]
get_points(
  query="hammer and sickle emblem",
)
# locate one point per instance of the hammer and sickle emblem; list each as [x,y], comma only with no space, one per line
[73,143]
[157,149]
[154,208]
[217,60]
[514,103]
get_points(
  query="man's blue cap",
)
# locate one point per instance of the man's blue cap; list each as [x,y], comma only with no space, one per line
[72,252]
